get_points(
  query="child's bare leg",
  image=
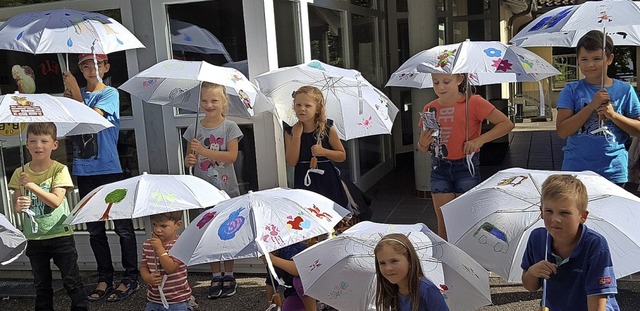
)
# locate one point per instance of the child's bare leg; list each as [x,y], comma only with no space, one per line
[228,267]
[440,199]
[215,267]
[310,303]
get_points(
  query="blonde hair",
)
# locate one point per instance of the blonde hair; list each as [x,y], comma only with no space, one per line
[565,186]
[223,93]
[387,293]
[321,110]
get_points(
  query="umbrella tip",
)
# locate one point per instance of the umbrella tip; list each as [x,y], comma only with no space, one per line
[144,173]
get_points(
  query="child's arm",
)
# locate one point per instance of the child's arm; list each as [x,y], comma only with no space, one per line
[287,265]
[52,199]
[167,262]
[568,123]
[425,140]
[541,270]
[154,279]
[597,303]
[501,126]
[229,156]
[629,125]
[292,144]
[190,159]
[337,154]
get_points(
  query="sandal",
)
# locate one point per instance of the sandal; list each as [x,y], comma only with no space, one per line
[132,287]
[100,293]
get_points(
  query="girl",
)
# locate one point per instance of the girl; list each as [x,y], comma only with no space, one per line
[212,155]
[401,284]
[311,145]
[455,145]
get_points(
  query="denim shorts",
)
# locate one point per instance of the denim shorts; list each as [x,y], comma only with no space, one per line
[180,306]
[453,176]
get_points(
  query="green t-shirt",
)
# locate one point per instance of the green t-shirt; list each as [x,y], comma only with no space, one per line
[50,220]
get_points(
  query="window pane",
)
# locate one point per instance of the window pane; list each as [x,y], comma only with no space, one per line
[365,3]
[220,41]
[325,27]
[365,47]
[370,152]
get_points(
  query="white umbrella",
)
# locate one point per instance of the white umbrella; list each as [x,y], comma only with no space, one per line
[12,242]
[145,195]
[188,37]
[492,221]
[65,31]
[341,271]
[488,62]
[71,117]
[564,26]
[177,83]
[256,223]
[357,108]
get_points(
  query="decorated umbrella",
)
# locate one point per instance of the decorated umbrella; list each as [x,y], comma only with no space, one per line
[357,108]
[188,37]
[12,242]
[492,221]
[341,271]
[145,195]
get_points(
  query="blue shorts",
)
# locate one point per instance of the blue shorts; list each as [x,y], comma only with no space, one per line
[180,306]
[453,176]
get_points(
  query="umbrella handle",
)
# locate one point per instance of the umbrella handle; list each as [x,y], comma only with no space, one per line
[544,309]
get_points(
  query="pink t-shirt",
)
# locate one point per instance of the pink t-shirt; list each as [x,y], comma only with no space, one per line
[451,119]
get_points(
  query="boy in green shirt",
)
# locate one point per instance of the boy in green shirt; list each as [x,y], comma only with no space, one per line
[40,196]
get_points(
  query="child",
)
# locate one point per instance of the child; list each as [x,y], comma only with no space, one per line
[40,191]
[294,298]
[452,172]
[574,259]
[157,262]
[401,284]
[214,152]
[96,162]
[314,137]
[583,102]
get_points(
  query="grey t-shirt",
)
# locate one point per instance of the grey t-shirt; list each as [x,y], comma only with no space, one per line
[221,175]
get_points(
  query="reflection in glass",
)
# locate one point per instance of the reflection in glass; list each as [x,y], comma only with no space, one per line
[370,4]
[370,152]
[325,27]
[365,47]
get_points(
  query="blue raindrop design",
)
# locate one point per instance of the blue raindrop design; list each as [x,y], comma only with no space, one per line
[119,41]
[20,35]
[316,65]
[69,42]
[187,38]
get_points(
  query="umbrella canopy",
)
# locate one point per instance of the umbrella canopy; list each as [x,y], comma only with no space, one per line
[65,31]
[357,108]
[177,83]
[564,26]
[341,271]
[71,117]
[12,241]
[188,37]
[486,62]
[145,195]
[255,223]
[492,221]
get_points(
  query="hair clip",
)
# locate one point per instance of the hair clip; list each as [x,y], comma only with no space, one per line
[293,94]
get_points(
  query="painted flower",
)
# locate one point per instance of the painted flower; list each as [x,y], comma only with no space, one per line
[493,52]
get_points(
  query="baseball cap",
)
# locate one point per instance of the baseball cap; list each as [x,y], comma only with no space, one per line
[99,57]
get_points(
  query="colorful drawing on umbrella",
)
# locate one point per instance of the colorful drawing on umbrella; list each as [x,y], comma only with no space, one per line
[115,196]
[235,78]
[446,57]
[316,65]
[406,75]
[340,290]
[315,265]
[159,197]
[603,10]
[298,223]
[245,99]
[366,123]
[149,82]
[491,235]
[320,214]
[502,65]
[272,234]
[493,52]
[229,227]
[525,62]
[551,21]
[206,219]
[24,107]
[513,181]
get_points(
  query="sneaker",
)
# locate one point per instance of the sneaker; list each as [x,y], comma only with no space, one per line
[228,286]
[215,290]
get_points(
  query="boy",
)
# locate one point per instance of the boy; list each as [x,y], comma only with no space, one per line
[157,262]
[578,267]
[581,103]
[95,163]
[40,196]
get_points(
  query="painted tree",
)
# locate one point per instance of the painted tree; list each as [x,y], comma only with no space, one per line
[115,196]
